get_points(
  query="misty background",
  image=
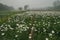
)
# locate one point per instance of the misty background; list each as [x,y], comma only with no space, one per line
[32,4]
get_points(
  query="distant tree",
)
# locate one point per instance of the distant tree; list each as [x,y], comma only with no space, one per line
[26,7]
[5,7]
[20,8]
[57,5]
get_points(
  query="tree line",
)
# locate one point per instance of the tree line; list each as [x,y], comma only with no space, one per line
[5,7]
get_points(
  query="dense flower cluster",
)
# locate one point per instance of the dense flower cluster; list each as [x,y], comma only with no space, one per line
[18,27]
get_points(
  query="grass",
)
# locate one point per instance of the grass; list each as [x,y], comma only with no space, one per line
[4,15]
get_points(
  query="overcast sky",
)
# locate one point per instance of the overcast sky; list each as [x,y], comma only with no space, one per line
[31,3]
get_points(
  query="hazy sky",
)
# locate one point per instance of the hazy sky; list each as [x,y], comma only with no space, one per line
[31,3]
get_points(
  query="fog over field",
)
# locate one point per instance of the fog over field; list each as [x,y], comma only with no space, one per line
[31,3]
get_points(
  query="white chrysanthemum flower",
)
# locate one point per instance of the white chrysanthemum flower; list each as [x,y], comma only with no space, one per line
[1,26]
[47,39]
[37,25]
[30,36]
[17,24]
[49,22]
[16,20]
[30,24]
[14,39]
[2,30]
[23,21]
[18,31]
[53,31]
[32,28]
[21,25]
[11,28]
[46,24]
[33,24]
[35,29]
[16,36]
[58,16]
[58,22]
[50,34]
[6,25]
[3,34]
[35,21]
[24,27]
[6,28]
[9,21]
[27,27]
[44,29]
[55,23]
[43,22]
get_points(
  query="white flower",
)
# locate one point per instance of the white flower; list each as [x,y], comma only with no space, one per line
[46,38]
[30,36]
[18,31]
[30,24]
[53,31]
[44,29]
[58,22]
[27,27]
[37,25]
[54,23]
[6,25]
[50,34]
[21,25]
[46,24]
[6,28]
[1,26]
[2,30]
[49,22]
[35,29]
[11,28]
[3,34]
[14,39]
[17,24]
[35,21]
[43,22]
[32,28]
[58,16]
[16,35]
[33,24]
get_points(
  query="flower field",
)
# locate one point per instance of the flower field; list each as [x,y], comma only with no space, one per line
[43,26]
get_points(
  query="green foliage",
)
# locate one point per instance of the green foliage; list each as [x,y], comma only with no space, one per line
[17,27]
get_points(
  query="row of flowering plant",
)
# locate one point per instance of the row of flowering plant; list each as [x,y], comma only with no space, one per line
[18,27]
